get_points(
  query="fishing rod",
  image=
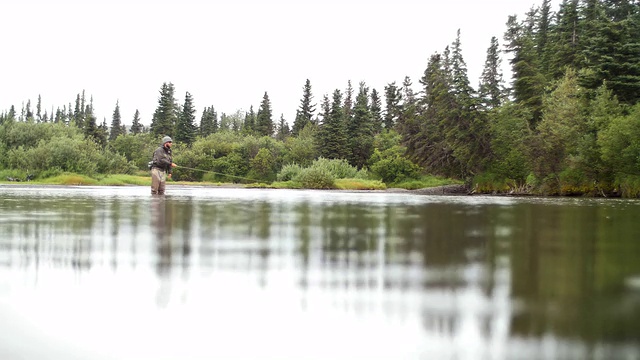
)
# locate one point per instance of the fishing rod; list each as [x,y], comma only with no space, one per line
[217,173]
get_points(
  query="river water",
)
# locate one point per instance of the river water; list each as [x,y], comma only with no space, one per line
[218,273]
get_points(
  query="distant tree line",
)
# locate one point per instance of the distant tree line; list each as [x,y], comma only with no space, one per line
[568,122]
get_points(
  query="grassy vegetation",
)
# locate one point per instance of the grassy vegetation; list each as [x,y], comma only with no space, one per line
[141,179]
[426,181]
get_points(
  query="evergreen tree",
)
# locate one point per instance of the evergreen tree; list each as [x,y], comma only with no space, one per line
[250,122]
[11,116]
[491,91]
[542,35]
[376,112]
[408,122]
[429,146]
[116,123]
[360,130]
[528,82]
[332,135]
[225,122]
[186,129]
[136,126]
[91,129]
[304,115]
[559,132]
[103,133]
[613,53]
[39,109]
[264,121]
[347,109]
[164,118]
[28,113]
[565,37]
[208,121]
[392,105]
[283,130]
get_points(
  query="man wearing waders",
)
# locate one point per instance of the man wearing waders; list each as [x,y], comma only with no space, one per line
[161,166]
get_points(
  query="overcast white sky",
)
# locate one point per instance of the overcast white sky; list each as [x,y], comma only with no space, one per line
[228,53]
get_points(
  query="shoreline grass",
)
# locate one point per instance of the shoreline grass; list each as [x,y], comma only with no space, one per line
[72,179]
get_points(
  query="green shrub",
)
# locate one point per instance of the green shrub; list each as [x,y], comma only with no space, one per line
[316,178]
[289,172]
[338,168]
[262,166]
[395,169]
[575,182]
[112,163]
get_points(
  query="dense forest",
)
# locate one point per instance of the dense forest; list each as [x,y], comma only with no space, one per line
[568,122]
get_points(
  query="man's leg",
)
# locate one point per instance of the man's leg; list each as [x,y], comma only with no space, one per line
[155,180]
[163,183]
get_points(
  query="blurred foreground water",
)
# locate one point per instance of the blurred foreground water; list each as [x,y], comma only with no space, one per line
[204,273]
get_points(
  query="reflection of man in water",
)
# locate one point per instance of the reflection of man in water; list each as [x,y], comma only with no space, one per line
[161,166]
[161,227]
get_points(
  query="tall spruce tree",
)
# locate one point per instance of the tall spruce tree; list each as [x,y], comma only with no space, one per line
[249,127]
[528,82]
[393,97]
[264,120]
[360,130]
[347,108]
[613,52]
[429,146]
[332,134]
[208,121]
[376,112]
[186,129]
[164,118]
[39,109]
[491,92]
[304,115]
[116,123]
[563,50]
[282,131]
[136,126]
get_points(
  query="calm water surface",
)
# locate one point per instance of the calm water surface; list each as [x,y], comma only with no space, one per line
[215,273]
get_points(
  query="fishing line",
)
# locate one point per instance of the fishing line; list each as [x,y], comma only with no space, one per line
[217,173]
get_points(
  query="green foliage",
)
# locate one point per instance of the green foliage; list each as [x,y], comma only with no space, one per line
[166,114]
[620,144]
[388,161]
[116,124]
[510,134]
[264,118]
[426,181]
[395,169]
[113,163]
[301,149]
[136,148]
[28,135]
[489,182]
[332,135]
[316,178]
[304,114]
[561,128]
[338,168]
[289,172]
[359,184]
[574,181]
[186,129]
[629,185]
[263,165]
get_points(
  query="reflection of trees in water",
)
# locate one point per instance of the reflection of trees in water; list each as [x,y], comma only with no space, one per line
[49,231]
[569,267]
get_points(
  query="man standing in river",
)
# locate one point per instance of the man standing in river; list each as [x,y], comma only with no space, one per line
[161,166]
